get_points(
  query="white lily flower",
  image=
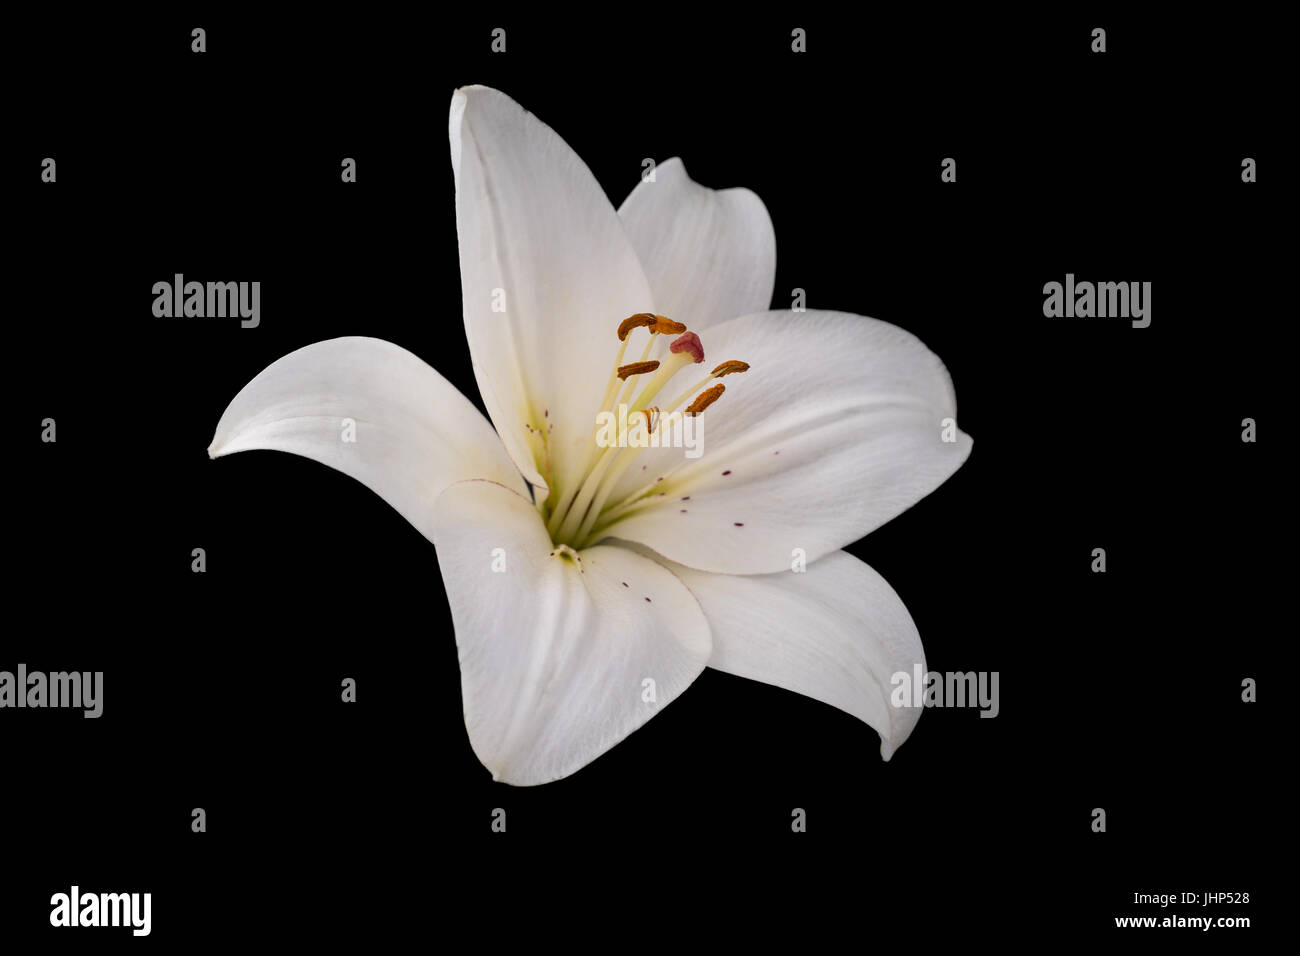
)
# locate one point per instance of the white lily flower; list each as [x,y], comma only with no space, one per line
[625,566]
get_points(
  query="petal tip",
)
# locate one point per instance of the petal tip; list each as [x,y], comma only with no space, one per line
[460,96]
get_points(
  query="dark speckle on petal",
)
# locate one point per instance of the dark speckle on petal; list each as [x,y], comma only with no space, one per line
[727,472]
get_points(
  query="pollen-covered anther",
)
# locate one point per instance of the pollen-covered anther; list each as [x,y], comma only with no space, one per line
[638,321]
[651,418]
[705,399]
[636,368]
[665,326]
[726,368]
[689,343]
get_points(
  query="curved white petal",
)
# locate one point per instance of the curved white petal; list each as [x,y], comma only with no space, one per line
[414,433]
[555,651]
[838,426]
[837,632]
[547,274]
[710,254]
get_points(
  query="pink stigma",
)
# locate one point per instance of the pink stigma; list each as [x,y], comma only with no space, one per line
[688,342]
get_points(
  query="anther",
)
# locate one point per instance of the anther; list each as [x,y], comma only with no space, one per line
[726,368]
[636,368]
[705,399]
[640,320]
[666,326]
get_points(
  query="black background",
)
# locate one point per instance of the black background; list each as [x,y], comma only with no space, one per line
[369,822]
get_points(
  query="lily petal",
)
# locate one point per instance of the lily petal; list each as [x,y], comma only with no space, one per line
[838,426]
[414,432]
[555,650]
[836,632]
[710,254]
[547,274]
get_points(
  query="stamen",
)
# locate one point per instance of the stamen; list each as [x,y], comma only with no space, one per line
[705,399]
[665,326]
[640,320]
[623,396]
[616,393]
[726,368]
[636,368]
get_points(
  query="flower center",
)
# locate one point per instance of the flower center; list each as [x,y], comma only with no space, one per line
[581,515]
